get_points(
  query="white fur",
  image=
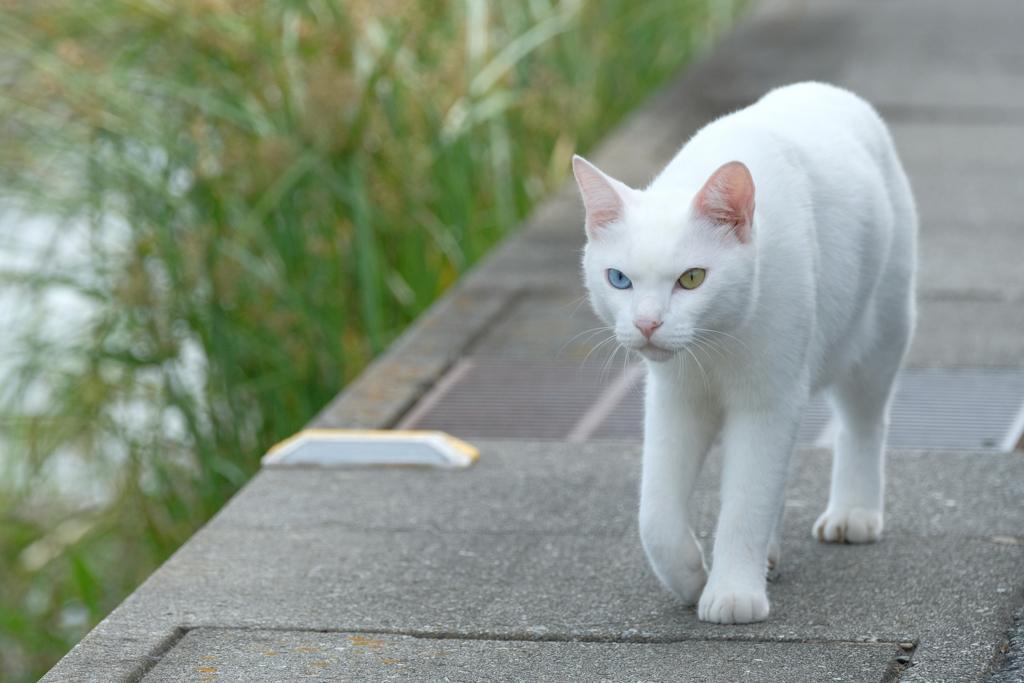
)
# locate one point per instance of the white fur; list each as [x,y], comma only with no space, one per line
[818,297]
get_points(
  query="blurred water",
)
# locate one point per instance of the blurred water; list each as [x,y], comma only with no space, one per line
[42,245]
[35,245]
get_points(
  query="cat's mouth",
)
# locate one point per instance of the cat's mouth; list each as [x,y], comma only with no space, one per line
[654,352]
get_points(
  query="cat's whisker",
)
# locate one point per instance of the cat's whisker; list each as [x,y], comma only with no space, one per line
[701,345]
[724,334]
[603,375]
[707,340]
[587,357]
[707,336]
[579,302]
[608,363]
[697,343]
[632,382]
[701,341]
[625,366]
[595,348]
[707,385]
[705,347]
[593,332]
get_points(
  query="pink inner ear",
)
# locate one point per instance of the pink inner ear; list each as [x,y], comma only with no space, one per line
[604,205]
[728,198]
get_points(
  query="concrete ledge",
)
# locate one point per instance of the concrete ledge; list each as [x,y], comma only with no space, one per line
[538,542]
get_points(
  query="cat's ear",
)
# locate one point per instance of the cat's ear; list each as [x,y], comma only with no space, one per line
[727,199]
[603,197]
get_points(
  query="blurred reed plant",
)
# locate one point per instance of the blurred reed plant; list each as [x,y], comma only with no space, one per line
[218,211]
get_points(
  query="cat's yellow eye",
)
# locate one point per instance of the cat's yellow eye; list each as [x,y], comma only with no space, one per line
[692,278]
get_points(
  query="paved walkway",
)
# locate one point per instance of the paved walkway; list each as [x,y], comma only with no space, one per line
[527,566]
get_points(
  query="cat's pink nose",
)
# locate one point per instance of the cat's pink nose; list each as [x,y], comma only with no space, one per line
[647,327]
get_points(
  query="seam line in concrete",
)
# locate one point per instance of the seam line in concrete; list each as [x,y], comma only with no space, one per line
[154,657]
[529,636]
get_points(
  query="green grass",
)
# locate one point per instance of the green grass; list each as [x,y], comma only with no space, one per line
[263,194]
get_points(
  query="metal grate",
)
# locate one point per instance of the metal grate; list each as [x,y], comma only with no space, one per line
[501,399]
[968,410]
[504,399]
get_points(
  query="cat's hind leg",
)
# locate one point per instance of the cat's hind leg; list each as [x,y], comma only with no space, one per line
[679,428]
[855,505]
[860,401]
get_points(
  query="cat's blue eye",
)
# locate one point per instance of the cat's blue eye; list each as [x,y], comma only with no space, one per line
[618,280]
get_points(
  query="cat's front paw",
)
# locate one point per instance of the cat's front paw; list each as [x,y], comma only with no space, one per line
[676,559]
[688,585]
[849,525]
[733,604]
[685,580]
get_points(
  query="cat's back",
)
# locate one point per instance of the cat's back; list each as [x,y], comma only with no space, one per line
[822,118]
[836,141]
[842,147]
[810,129]
[820,158]
[811,106]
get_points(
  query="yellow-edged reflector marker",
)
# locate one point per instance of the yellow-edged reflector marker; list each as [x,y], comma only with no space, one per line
[355,447]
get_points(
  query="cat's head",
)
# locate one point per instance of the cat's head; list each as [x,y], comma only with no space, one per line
[669,267]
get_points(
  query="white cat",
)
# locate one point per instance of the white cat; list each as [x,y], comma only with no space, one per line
[742,313]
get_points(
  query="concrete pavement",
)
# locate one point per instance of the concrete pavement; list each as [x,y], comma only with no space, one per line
[527,566]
